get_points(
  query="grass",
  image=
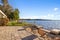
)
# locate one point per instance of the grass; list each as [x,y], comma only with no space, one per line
[14,23]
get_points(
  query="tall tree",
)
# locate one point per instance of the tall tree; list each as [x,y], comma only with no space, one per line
[5,2]
[6,5]
[9,11]
[16,14]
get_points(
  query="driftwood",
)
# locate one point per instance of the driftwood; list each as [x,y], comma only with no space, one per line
[28,29]
[57,38]
[31,27]
[55,31]
[41,32]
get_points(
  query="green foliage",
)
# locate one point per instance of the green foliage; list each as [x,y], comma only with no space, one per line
[16,14]
[14,23]
[12,14]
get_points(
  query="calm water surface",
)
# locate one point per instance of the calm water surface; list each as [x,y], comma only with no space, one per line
[46,24]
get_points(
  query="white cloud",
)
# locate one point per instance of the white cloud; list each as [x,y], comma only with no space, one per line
[55,9]
[48,16]
[31,17]
[34,17]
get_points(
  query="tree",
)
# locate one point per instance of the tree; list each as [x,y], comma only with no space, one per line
[4,2]
[6,5]
[7,9]
[12,14]
[16,14]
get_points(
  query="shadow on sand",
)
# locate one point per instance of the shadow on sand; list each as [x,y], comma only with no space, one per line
[31,37]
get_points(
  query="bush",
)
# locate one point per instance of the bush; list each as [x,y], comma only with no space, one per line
[14,23]
[3,21]
[11,23]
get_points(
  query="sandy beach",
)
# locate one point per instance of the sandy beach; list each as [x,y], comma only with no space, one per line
[12,33]
[19,33]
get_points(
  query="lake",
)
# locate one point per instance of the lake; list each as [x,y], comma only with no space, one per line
[47,24]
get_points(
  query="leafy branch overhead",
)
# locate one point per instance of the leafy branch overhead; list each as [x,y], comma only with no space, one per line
[12,14]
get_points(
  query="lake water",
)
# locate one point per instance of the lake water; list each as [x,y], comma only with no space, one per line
[46,24]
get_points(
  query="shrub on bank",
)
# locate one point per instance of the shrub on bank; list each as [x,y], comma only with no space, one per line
[3,21]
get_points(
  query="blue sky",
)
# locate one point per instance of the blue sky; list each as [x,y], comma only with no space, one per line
[37,9]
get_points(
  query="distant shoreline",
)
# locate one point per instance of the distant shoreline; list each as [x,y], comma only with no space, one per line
[40,19]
